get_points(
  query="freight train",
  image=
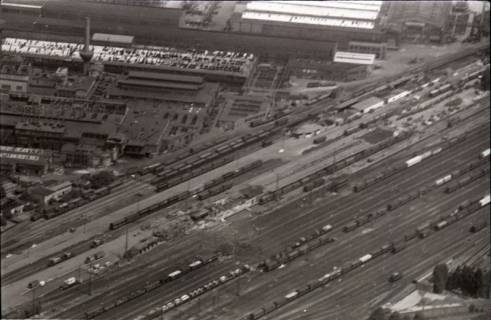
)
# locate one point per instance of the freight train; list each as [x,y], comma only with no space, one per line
[176,274]
[211,189]
[86,197]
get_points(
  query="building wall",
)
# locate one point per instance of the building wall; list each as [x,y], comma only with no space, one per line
[434,12]
[13,83]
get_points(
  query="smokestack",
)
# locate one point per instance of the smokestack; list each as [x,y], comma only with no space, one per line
[85,53]
[87,33]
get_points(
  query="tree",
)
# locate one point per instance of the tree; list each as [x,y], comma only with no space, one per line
[419,316]
[440,276]
[395,316]
[102,179]
[225,249]
[378,314]
[3,194]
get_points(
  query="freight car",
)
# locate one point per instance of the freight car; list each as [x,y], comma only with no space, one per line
[55,260]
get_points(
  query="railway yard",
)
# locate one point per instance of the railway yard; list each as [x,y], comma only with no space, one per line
[270,223]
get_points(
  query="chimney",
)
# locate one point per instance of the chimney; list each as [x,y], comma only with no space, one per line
[87,33]
[85,53]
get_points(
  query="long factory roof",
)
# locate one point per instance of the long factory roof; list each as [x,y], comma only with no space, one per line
[351,14]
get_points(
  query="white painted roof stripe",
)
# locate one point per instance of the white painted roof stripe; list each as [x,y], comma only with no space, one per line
[354,58]
[360,5]
[322,11]
[346,23]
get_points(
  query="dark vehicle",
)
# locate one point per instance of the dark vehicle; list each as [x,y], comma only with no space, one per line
[266,143]
[33,284]
[319,140]
[96,243]
[395,276]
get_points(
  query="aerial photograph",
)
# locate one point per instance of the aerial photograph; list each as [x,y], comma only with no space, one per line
[243,160]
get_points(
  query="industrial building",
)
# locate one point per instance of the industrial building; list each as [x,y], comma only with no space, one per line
[239,110]
[16,160]
[174,88]
[420,20]
[334,21]
[14,78]
[317,37]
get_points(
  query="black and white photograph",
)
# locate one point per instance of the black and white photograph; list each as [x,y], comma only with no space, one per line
[245,160]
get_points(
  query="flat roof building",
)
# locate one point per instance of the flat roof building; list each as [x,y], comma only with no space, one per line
[15,160]
[354,58]
[106,39]
[336,21]
[368,105]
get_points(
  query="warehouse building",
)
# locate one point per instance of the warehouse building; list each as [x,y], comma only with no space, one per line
[52,192]
[15,160]
[14,78]
[367,105]
[239,110]
[174,88]
[117,40]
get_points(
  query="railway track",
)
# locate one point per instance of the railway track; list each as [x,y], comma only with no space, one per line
[477,148]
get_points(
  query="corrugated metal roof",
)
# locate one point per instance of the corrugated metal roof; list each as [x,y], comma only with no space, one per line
[366,103]
[115,38]
[312,10]
[359,5]
[354,58]
[165,76]
[159,84]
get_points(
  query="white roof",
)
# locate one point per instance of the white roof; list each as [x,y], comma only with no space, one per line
[118,38]
[311,10]
[367,103]
[354,58]
[20,5]
[360,5]
[346,23]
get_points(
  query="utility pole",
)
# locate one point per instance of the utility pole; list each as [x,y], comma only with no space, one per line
[277,186]
[237,293]
[126,242]
[34,299]
[90,283]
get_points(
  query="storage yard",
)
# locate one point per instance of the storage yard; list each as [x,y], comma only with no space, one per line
[330,207]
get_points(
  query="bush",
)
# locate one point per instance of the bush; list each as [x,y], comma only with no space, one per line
[101,179]
[378,314]
[472,308]
[440,276]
